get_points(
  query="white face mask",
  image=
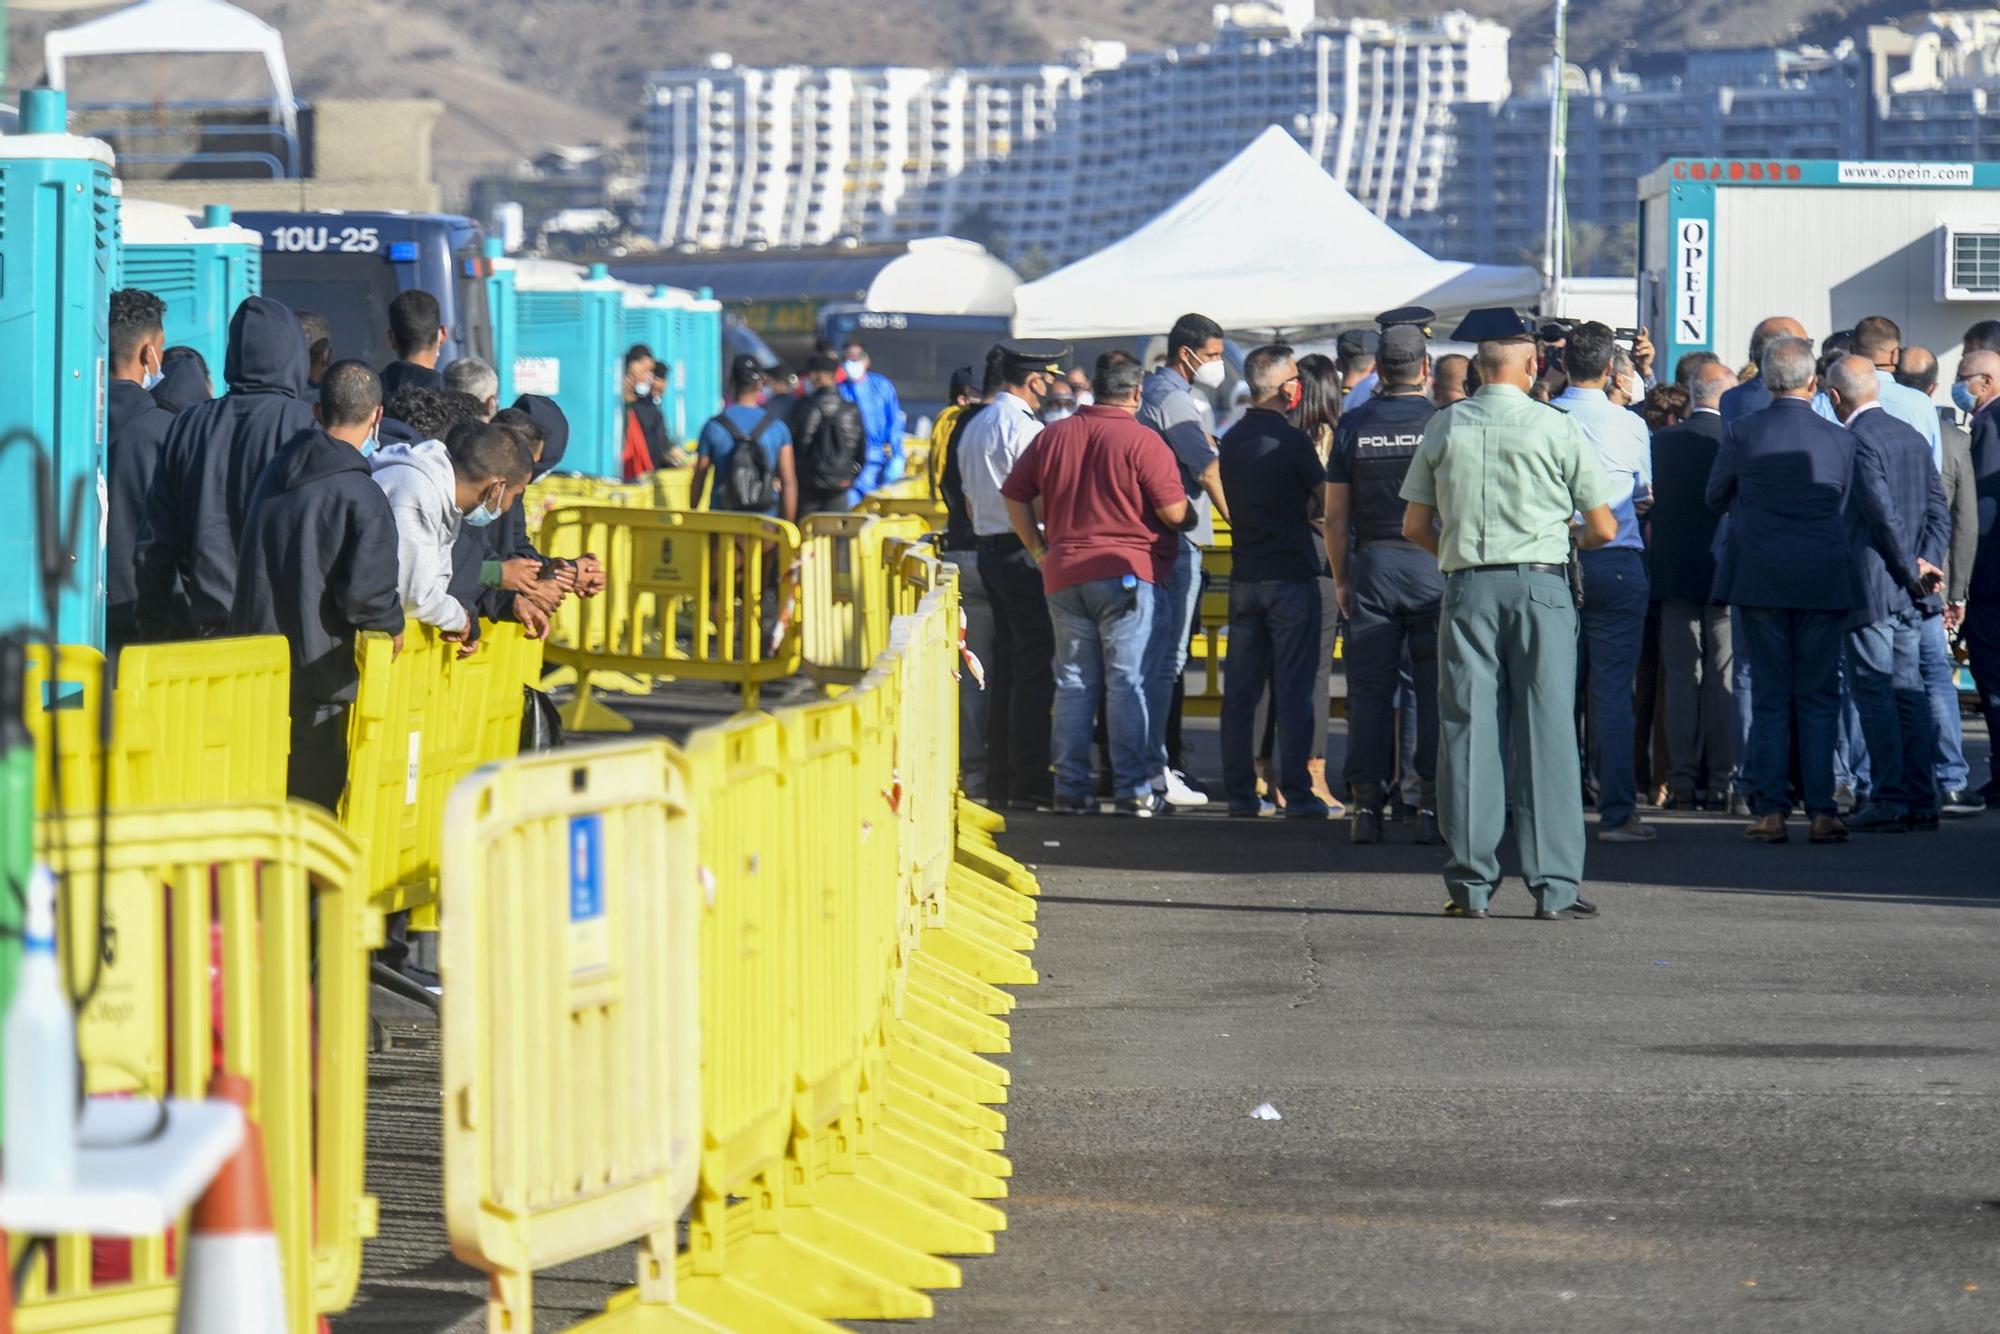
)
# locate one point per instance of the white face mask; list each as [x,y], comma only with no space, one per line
[855,369]
[1212,374]
[643,389]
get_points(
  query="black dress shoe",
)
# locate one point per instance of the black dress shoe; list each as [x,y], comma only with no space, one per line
[1583,907]
[1564,915]
[1454,910]
[1428,834]
[1962,803]
[1367,827]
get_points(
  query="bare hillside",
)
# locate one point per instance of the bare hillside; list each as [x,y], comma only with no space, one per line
[519,75]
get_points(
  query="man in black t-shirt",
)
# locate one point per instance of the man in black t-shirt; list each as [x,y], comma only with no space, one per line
[1389,588]
[1270,472]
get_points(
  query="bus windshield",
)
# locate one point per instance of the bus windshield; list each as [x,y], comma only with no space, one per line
[352,291]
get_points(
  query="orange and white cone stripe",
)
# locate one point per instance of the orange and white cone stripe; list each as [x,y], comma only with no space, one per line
[232,1281]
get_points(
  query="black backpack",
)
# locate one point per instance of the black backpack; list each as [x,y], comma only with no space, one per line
[831,445]
[747,483]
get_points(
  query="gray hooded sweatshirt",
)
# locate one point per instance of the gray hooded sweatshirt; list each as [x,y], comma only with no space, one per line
[422,488]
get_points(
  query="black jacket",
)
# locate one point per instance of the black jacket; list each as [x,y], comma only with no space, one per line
[1680,551]
[200,496]
[829,444]
[958,533]
[318,563]
[399,374]
[183,385]
[136,427]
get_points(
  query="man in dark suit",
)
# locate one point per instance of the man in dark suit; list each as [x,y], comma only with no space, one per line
[1753,395]
[1784,476]
[1884,635]
[1978,387]
[1695,643]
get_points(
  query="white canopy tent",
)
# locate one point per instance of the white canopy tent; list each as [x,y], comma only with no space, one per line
[1270,241]
[178,27]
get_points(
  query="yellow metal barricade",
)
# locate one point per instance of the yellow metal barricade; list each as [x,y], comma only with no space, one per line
[844,614]
[697,596]
[673,488]
[572,1069]
[272,893]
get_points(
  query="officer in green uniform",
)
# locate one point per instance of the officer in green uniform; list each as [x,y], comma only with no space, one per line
[1492,491]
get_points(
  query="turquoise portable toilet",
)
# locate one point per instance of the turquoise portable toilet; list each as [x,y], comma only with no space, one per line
[652,317]
[58,254]
[501,300]
[697,363]
[203,266]
[568,329]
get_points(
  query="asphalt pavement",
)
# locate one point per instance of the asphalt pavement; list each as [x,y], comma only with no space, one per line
[1757,1094]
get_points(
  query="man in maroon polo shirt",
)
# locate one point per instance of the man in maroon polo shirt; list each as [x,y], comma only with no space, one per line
[1097,501]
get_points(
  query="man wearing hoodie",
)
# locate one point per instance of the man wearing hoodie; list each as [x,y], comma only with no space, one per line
[496,570]
[318,566]
[136,427]
[200,494]
[416,331]
[434,489]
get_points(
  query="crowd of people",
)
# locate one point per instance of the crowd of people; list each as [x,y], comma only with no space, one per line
[318,498]
[1560,582]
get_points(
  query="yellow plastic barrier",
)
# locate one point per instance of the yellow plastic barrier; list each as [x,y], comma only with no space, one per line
[695,596]
[276,890]
[422,720]
[205,720]
[844,614]
[911,496]
[571,1040]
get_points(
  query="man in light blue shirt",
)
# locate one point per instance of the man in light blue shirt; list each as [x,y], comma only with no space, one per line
[1878,339]
[1615,592]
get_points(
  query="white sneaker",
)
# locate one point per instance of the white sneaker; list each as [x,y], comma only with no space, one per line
[1173,783]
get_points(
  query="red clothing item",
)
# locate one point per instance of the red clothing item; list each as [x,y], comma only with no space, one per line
[1100,476]
[636,459]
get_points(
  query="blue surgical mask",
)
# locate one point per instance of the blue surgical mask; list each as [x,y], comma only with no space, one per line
[855,369]
[1961,395]
[482,516]
[371,444]
[149,380]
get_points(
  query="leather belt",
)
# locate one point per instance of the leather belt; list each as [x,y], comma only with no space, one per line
[1529,567]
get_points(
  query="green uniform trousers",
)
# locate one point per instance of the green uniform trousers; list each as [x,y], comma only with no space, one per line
[1507,733]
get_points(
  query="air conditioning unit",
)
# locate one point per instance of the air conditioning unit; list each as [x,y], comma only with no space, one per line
[1968,261]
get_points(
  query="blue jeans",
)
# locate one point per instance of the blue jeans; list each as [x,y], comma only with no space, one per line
[1101,633]
[1851,769]
[1795,661]
[1888,689]
[1274,636]
[1941,681]
[1615,598]
[1167,646]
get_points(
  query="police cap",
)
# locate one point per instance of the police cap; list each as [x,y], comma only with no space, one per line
[1418,317]
[1022,356]
[1403,347]
[1357,343]
[1493,324]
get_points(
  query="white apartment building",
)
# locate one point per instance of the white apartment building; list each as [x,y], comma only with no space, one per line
[1064,157]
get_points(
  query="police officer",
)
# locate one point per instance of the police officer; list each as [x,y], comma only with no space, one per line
[1388,587]
[1491,491]
[1021,675]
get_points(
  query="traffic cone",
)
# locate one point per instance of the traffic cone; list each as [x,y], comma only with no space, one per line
[231,1280]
